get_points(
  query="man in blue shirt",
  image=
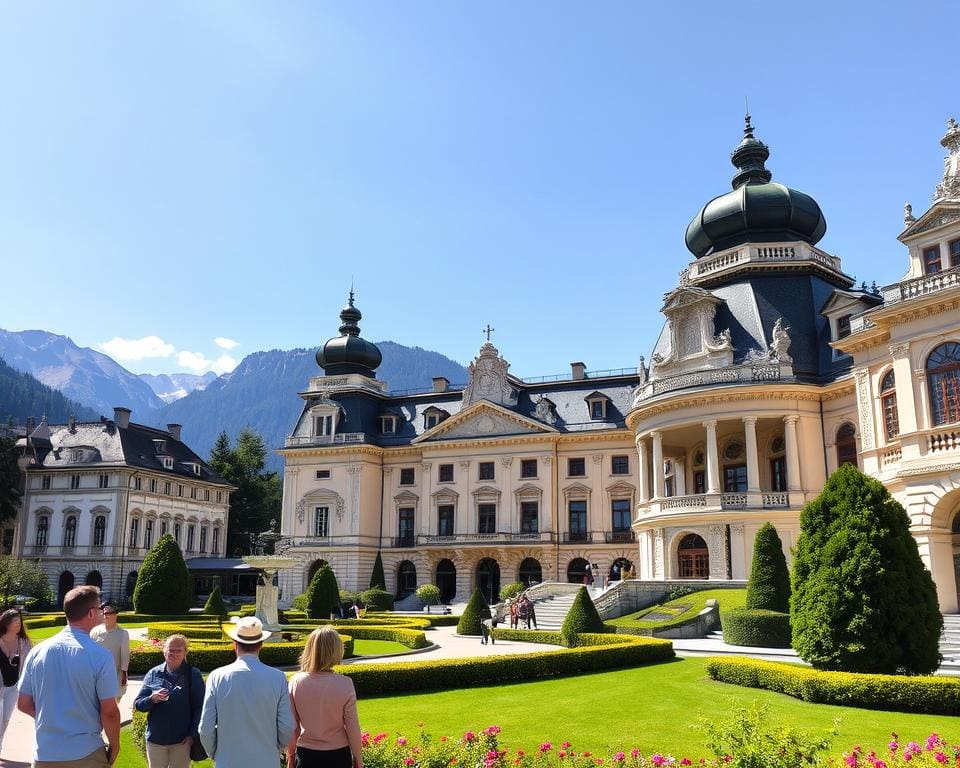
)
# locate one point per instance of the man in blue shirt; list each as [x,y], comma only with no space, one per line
[246,719]
[69,686]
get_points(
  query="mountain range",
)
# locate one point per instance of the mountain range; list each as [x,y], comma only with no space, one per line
[260,393]
[23,396]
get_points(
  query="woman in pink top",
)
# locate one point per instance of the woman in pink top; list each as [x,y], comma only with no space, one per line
[324,706]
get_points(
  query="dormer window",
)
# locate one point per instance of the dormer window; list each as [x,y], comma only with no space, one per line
[167,462]
[433,416]
[160,446]
[193,467]
[388,425]
[76,455]
[843,326]
[931,260]
[323,425]
[597,406]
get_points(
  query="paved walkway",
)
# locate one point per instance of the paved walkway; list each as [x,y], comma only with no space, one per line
[452,646]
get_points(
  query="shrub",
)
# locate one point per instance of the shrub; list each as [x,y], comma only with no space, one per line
[215,605]
[769,586]
[677,592]
[756,627]
[299,603]
[378,579]
[582,617]
[902,693]
[863,601]
[163,583]
[475,612]
[323,594]
[377,599]
[429,594]
[511,590]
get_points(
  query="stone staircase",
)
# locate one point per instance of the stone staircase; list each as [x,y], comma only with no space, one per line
[950,644]
[551,611]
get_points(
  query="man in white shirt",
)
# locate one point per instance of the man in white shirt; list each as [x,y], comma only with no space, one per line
[116,640]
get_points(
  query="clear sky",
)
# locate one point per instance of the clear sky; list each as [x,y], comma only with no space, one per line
[177,173]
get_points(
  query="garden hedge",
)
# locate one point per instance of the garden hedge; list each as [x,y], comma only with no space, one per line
[582,617]
[161,631]
[45,621]
[411,638]
[901,693]
[377,599]
[756,627]
[593,652]
[475,611]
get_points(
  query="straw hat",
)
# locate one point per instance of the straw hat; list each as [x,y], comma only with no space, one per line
[248,631]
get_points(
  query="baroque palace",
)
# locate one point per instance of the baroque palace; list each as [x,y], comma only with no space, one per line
[772,369]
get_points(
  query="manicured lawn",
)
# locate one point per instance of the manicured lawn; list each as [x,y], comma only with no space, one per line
[654,708]
[685,607]
[44,632]
[377,647]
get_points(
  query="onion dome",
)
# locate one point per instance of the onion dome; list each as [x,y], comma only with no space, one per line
[757,210]
[348,353]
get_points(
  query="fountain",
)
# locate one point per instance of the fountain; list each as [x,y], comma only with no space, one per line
[267,593]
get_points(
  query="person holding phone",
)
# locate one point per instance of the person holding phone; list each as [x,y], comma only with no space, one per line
[172,697]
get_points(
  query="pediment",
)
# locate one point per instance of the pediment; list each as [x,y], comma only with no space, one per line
[687,296]
[482,420]
[406,497]
[940,215]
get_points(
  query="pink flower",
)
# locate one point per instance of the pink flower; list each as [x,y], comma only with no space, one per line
[940,757]
[379,737]
[894,745]
[566,745]
[401,741]
[619,757]
[492,730]
[634,753]
[409,761]
[657,759]
[933,741]
[546,747]
[686,761]
[852,760]
[469,737]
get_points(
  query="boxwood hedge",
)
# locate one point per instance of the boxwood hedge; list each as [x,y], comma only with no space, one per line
[901,693]
[756,627]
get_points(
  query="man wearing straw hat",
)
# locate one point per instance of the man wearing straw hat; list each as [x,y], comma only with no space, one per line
[246,719]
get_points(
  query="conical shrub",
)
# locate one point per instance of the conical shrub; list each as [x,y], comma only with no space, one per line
[323,594]
[769,586]
[582,617]
[215,605]
[163,583]
[378,579]
[475,612]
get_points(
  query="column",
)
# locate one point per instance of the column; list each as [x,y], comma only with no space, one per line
[753,466]
[644,470]
[679,477]
[906,399]
[713,459]
[657,465]
[793,453]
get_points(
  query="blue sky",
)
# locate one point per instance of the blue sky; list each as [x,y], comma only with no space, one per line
[176,173]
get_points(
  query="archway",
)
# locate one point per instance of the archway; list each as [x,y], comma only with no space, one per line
[620,566]
[131,583]
[64,585]
[530,572]
[488,579]
[576,570]
[94,579]
[406,578]
[447,580]
[693,558]
[315,566]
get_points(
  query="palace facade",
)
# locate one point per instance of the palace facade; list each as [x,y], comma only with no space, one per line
[772,369]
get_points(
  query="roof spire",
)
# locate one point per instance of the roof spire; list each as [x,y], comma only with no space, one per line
[949,188]
[349,317]
[749,158]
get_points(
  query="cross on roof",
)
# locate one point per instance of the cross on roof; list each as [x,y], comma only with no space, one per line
[488,330]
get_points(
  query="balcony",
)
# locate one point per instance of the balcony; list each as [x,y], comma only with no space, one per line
[406,541]
[486,538]
[309,441]
[921,286]
[759,257]
[760,371]
[73,550]
[577,537]
[708,503]
[620,537]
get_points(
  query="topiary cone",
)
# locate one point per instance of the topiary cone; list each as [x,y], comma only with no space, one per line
[476,611]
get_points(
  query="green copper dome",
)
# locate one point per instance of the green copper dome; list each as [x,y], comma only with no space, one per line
[348,353]
[757,210]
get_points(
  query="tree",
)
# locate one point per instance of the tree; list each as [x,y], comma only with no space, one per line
[475,612]
[22,577]
[323,594]
[582,617]
[256,501]
[378,579]
[429,594]
[163,583]
[9,479]
[862,601]
[215,605]
[769,586]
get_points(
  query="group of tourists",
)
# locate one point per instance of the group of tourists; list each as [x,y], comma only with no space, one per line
[245,714]
[522,609]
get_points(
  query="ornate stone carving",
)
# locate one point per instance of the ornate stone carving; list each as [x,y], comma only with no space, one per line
[301,509]
[908,217]
[425,466]
[488,379]
[934,222]
[544,411]
[780,343]
[464,466]
[546,460]
[507,461]
[920,373]
[862,378]
[658,553]
[718,552]
[485,421]
[949,188]
[690,314]
[899,351]
[597,458]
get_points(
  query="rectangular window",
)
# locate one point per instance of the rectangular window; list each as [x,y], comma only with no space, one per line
[103,481]
[431,420]
[778,474]
[164,525]
[486,518]
[445,520]
[596,409]
[190,536]
[445,473]
[134,532]
[388,425]
[405,522]
[620,465]
[43,528]
[408,476]
[193,492]
[954,248]
[45,482]
[215,549]
[528,468]
[843,327]
[931,260]
[203,539]
[179,490]
[148,534]
[166,488]
[578,520]
[153,485]
[177,530]
[699,481]
[74,482]
[206,494]
[485,470]
[576,467]
[219,497]
[323,425]
[735,478]
[621,515]
[323,474]
[137,484]
[891,419]
[529,517]
[321,522]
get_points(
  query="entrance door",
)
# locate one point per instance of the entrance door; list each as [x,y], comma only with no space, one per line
[64,585]
[447,580]
[530,572]
[488,579]
[693,558]
[406,578]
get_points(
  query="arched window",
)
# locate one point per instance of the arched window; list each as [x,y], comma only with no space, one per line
[446,580]
[43,531]
[577,570]
[888,404]
[778,464]
[70,532]
[943,373]
[488,579]
[530,572]
[847,445]
[94,578]
[99,530]
[131,583]
[406,578]
[693,558]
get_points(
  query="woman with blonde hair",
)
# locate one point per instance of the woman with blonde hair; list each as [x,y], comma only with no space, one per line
[324,704]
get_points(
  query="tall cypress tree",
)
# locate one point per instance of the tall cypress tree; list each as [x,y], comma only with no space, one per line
[769,587]
[862,601]
[378,579]
[163,583]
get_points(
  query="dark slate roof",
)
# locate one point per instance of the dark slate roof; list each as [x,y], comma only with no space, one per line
[106,444]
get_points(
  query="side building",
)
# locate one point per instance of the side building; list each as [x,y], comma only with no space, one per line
[98,495]
[498,481]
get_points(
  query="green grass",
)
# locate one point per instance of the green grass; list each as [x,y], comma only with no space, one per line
[377,647]
[683,608]
[44,632]
[652,708]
